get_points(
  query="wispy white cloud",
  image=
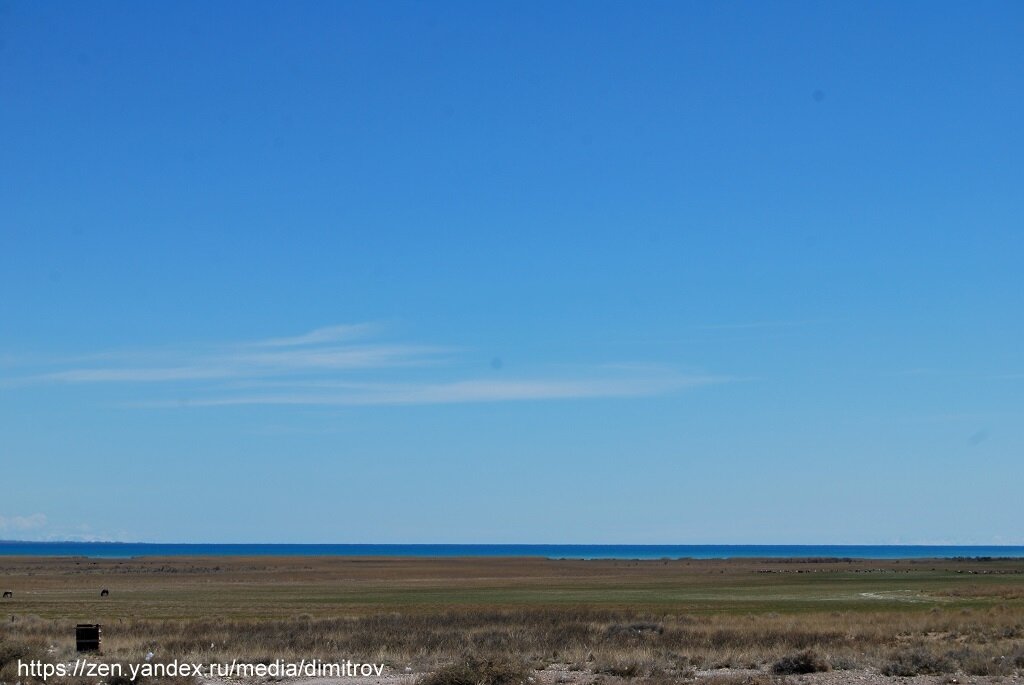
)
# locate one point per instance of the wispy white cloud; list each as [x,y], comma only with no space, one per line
[331,366]
[455,392]
[349,357]
[22,523]
[322,335]
[156,374]
[324,350]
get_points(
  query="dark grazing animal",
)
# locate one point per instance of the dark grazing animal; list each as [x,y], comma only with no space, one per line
[104,592]
[8,594]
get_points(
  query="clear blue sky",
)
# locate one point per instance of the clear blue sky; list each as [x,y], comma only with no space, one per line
[512,272]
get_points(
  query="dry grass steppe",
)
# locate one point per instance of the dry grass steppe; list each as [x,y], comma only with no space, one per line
[563,621]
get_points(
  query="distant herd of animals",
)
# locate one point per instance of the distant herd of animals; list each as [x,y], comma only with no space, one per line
[8,594]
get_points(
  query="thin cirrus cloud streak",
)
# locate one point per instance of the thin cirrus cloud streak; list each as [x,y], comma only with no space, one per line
[322,335]
[457,392]
[238,365]
[324,350]
[318,368]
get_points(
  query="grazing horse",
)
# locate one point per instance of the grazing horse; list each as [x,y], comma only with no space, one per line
[104,592]
[8,594]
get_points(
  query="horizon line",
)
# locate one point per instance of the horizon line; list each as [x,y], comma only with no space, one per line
[517,544]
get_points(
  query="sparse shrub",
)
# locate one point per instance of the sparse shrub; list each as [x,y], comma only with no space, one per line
[666,679]
[744,679]
[12,651]
[974,662]
[806,661]
[627,667]
[844,662]
[476,671]
[632,633]
[647,626]
[917,661]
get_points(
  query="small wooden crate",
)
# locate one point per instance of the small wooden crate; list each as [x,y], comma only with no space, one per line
[87,637]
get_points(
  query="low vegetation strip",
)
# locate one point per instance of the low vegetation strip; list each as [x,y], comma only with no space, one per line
[735,617]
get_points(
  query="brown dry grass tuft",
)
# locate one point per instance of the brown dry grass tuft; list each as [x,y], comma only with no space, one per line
[477,671]
[806,661]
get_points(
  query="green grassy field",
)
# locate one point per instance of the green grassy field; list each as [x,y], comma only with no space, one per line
[191,588]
